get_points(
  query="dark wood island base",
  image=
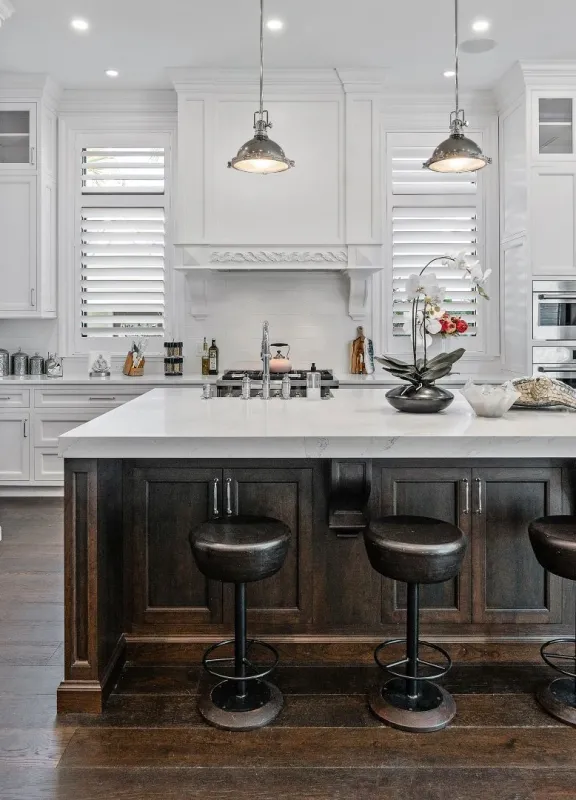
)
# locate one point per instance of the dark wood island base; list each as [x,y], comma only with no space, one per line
[133,592]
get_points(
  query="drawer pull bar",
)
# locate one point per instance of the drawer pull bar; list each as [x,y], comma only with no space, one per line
[215,509]
[25,428]
[479,508]
[466,486]
[6,397]
[102,397]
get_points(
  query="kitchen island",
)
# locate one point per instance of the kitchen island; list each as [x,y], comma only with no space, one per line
[139,478]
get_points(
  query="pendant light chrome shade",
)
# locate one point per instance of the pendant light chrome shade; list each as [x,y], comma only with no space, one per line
[457,153]
[260,154]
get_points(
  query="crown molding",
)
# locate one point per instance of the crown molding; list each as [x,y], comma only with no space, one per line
[544,71]
[230,80]
[368,81]
[6,11]
[102,101]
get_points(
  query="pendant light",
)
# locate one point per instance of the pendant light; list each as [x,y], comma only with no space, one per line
[261,155]
[458,153]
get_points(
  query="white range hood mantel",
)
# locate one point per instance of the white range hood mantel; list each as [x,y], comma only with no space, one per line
[357,263]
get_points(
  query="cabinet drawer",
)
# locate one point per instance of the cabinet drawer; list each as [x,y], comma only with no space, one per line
[14,398]
[48,426]
[75,397]
[48,465]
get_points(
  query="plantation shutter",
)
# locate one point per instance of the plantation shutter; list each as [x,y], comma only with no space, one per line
[432,214]
[122,242]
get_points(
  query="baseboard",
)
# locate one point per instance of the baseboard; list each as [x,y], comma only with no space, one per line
[32,491]
[335,650]
[90,696]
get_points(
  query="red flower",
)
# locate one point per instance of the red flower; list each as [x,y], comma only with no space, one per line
[461,326]
[450,327]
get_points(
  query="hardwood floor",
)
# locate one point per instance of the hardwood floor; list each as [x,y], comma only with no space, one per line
[151,742]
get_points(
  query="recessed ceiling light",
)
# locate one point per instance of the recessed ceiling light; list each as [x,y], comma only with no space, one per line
[449,73]
[274,24]
[80,24]
[481,26]
[112,73]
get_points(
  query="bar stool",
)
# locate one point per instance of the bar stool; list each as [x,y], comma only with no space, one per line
[553,540]
[240,550]
[414,550]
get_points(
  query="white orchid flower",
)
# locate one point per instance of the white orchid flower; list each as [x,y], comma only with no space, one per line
[414,286]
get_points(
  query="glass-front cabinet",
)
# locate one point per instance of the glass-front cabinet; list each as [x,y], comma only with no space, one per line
[17,136]
[554,126]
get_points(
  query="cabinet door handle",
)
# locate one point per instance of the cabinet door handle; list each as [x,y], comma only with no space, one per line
[6,397]
[32,297]
[33,156]
[479,509]
[215,509]
[102,397]
[229,511]
[25,428]
[466,486]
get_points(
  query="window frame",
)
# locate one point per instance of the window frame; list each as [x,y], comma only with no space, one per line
[482,350]
[107,131]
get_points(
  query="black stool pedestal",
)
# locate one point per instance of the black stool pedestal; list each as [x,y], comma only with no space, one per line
[240,550]
[553,540]
[414,550]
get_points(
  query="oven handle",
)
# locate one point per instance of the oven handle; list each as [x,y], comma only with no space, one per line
[557,369]
[559,296]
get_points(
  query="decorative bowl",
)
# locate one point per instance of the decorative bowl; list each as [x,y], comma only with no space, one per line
[490,401]
[419,400]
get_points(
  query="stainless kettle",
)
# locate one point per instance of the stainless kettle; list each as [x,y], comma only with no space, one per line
[280,362]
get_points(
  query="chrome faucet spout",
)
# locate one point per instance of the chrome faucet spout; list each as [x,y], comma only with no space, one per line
[265,355]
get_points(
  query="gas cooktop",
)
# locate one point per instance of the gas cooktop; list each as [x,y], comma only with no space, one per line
[236,375]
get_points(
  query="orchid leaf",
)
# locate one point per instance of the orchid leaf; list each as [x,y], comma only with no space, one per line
[395,362]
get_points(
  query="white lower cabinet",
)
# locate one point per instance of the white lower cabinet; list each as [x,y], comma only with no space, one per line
[48,426]
[15,446]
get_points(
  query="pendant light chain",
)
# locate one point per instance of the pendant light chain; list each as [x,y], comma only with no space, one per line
[456,56]
[261,60]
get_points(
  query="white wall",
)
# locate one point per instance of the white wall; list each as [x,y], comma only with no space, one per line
[31,335]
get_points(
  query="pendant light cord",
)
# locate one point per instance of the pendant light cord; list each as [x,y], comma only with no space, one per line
[456,55]
[261,60]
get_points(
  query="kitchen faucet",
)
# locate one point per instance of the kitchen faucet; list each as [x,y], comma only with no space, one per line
[265,355]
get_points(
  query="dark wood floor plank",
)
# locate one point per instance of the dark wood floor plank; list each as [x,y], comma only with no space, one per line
[29,681]
[39,612]
[33,654]
[33,746]
[322,747]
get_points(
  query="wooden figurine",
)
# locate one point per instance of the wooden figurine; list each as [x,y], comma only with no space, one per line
[362,354]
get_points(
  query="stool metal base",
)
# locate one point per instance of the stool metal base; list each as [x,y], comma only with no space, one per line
[559,700]
[434,709]
[221,707]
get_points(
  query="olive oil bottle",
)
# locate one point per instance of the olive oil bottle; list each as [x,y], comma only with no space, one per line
[213,358]
[205,358]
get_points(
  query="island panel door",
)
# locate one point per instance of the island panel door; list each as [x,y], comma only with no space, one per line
[508,583]
[284,494]
[166,503]
[439,492]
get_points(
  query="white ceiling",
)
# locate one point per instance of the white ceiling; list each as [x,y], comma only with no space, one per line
[412,38]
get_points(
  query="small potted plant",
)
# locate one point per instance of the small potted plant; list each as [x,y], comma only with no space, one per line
[428,318]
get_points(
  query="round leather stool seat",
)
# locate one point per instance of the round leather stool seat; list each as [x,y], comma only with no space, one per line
[240,549]
[415,549]
[554,543]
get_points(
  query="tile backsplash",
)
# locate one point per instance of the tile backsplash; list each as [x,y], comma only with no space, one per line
[307,310]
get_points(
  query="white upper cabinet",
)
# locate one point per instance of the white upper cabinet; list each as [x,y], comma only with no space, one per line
[18,139]
[18,254]
[553,126]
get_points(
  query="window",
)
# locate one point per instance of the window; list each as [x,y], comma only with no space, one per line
[122,243]
[431,214]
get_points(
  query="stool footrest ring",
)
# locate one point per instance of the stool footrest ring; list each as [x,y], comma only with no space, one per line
[256,676]
[549,658]
[438,670]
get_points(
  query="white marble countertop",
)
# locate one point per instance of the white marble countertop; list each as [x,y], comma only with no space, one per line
[176,423]
[117,379]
